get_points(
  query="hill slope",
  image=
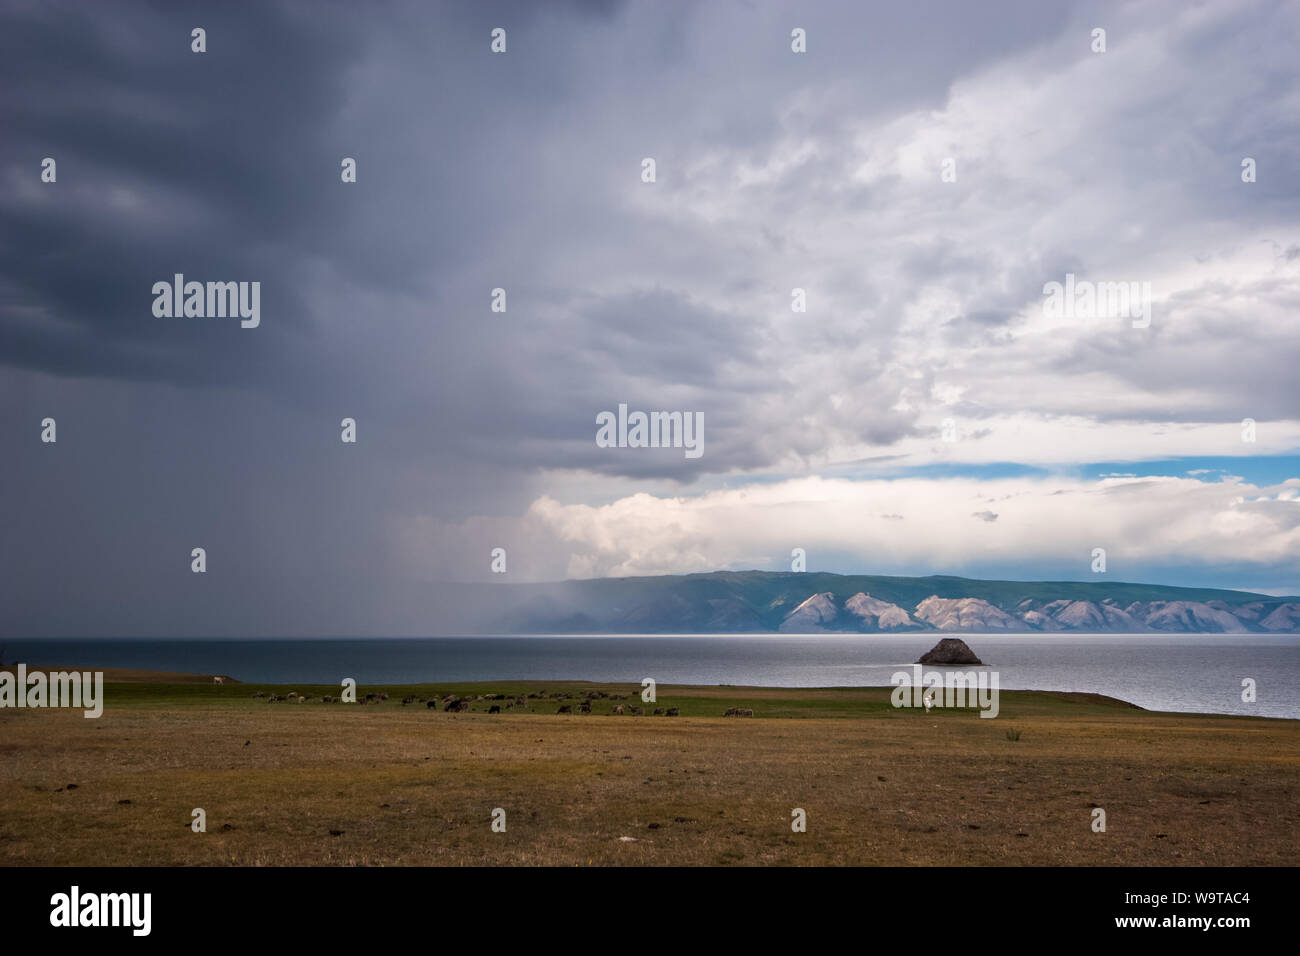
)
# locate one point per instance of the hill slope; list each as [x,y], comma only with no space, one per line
[813,602]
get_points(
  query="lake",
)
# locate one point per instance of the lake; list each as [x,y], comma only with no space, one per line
[1176,672]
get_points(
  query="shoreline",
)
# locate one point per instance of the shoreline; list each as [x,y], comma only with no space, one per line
[230,688]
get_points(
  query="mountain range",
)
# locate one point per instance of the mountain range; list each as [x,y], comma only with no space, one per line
[814,602]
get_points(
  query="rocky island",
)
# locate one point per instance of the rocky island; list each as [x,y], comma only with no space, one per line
[950,652]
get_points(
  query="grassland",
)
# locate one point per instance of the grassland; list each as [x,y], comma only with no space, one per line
[383,783]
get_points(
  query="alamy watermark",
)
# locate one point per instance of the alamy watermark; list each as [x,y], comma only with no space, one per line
[211,300]
[651,430]
[947,688]
[75,908]
[1081,299]
[56,689]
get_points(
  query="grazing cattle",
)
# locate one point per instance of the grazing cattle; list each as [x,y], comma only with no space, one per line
[672,711]
[635,711]
[218,680]
[383,697]
[494,709]
[432,705]
[456,705]
[738,712]
[659,712]
[584,707]
[618,709]
[565,709]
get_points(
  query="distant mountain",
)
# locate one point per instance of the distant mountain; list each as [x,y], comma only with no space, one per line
[815,603]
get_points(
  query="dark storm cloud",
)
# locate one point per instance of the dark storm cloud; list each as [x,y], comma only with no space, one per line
[224,165]
[168,162]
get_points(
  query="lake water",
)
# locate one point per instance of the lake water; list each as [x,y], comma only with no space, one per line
[1177,672]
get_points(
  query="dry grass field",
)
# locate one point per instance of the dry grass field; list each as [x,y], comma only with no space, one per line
[382,783]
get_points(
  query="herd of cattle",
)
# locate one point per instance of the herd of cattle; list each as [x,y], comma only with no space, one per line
[453,704]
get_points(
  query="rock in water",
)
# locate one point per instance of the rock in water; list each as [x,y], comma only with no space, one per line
[950,652]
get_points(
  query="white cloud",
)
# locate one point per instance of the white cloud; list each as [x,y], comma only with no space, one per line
[1143,523]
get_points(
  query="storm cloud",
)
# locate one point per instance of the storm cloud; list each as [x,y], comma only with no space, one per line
[776,171]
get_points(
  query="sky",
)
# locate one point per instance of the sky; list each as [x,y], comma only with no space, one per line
[921,171]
